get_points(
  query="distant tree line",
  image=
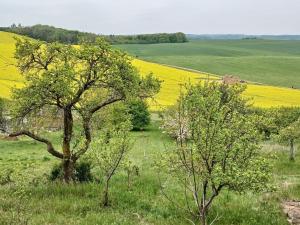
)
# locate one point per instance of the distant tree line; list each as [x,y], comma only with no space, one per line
[53,34]
[147,38]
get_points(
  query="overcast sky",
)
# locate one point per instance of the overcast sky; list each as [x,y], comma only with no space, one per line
[151,16]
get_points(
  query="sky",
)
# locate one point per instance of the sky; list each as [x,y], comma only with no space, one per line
[153,16]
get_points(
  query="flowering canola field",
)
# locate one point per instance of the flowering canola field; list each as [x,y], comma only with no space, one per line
[173,79]
[261,95]
[9,75]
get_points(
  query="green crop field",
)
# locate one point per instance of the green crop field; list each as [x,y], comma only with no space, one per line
[265,61]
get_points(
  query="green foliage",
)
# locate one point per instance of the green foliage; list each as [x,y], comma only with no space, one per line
[284,116]
[5,176]
[147,38]
[109,151]
[271,58]
[16,211]
[143,203]
[275,119]
[132,170]
[82,172]
[116,115]
[81,80]
[111,147]
[56,172]
[221,149]
[110,116]
[140,116]
[53,34]
[174,121]
[62,75]
[290,133]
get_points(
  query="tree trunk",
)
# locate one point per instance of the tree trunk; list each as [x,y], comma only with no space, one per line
[68,164]
[292,151]
[105,200]
[68,168]
[203,217]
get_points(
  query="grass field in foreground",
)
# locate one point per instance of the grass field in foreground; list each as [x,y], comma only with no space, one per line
[56,203]
[173,78]
[270,62]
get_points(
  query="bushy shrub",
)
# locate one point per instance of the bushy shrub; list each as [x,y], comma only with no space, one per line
[82,172]
[56,172]
[140,116]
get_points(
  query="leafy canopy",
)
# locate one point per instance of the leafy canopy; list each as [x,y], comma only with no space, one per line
[140,116]
[78,81]
[217,145]
[290,133]
[84,77]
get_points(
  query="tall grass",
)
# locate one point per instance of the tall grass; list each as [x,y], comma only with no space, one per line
[42,202]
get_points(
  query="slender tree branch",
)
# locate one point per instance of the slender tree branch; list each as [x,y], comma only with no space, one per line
[50,147]
[105,103]
[88,138]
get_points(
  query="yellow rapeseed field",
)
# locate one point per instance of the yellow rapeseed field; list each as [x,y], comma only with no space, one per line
[261,95]
[9,75]
[173,79]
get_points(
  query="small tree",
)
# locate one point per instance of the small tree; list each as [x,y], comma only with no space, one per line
[221,149]
[289,136]
[109,151]
[174,121]
[132,170]
[140,116]
[79,81]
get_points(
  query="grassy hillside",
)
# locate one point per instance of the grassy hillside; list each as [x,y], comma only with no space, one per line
[262,95]
[56,203]
[265,61]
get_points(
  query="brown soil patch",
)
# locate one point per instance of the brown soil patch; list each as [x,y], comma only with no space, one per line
[292,210]
[228,79]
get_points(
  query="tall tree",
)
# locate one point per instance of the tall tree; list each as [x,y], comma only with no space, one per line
[217,146]
[78,80]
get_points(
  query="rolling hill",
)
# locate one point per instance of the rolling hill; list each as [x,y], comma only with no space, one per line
[265,61]
[173,78]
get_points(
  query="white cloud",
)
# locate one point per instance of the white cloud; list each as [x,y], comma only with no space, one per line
[144,16]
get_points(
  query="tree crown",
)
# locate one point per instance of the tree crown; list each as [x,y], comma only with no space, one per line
[85,77]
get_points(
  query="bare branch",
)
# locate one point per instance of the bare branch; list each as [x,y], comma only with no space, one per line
[50,147]
[105,103]
[88,138]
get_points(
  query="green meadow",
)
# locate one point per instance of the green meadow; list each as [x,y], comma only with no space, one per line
[264,61]
[30,198]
